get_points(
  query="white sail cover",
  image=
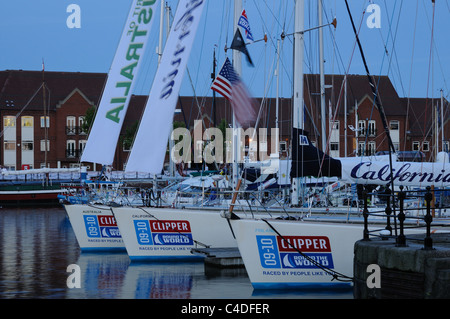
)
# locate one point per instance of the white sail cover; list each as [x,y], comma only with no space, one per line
[104,134]
[149,147]
[412,174]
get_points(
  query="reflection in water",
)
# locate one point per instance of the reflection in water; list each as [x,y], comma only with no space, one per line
[37,245]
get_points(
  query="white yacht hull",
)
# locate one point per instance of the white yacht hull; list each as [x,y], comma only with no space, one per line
[170,234]
[271,261]
[95,227]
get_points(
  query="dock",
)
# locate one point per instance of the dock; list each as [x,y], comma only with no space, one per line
[406,272]
[228,257]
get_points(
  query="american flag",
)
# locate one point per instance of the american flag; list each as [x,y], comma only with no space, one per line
[229,84]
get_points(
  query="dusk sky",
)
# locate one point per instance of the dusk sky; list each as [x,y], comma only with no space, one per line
[36,30]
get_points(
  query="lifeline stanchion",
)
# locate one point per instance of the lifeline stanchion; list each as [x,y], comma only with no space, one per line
[428,243]
[401,239]
[365,215]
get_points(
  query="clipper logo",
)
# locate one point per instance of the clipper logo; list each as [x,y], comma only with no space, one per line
[101,226]
[277,252]
[163,232]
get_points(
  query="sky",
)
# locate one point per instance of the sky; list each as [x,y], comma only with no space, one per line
[32,31]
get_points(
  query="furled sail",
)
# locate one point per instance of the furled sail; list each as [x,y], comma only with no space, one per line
[104,134]
[307,160]
[149,147]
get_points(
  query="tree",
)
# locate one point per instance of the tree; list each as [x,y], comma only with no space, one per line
[127,138]
[88,119]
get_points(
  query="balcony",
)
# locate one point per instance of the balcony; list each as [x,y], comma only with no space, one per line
[73,153]
[74,130]
[367,132]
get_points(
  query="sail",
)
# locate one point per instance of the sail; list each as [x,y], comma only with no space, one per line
[307,160]
[149,147]
[104,134]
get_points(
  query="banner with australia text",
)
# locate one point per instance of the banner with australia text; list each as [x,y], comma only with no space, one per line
[104,134]
[149,147]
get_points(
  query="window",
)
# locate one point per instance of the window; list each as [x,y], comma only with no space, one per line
[9,121]
[70,148]
[371,150]
[81,145]
[10,146]
[361,128]
[334,146]
[70,125]
[80,124]
[27,121]
[43,144]
[396,147]
[27,145]
[372,130]
[283,147]
[426,146]
[361,148]
[394,125]
[416,146]
[45,121]
[335,125]
[126,146]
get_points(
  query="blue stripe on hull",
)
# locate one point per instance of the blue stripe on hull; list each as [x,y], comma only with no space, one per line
[167,258]
[103,249]
[301,285]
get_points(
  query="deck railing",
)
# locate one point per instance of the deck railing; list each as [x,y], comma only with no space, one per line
[395,202]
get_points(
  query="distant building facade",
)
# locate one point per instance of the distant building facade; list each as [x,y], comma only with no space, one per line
[42,116]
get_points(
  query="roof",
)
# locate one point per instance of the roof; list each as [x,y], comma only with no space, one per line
[420,111]
[358,88]
[18,88]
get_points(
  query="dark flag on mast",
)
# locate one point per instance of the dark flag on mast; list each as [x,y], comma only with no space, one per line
[239,44]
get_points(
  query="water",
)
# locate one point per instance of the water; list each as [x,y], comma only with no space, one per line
[38,244]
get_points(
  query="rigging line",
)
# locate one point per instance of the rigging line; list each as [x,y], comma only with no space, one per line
[201,46]
[369,77]
[342,91]
[336,275]
[410,73]
[393,51]
[379,106]
[436,52]
[385,44]
[429,65]
[24,107]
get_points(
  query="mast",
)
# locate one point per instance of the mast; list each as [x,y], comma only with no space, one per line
[322,79]
[345,115]
[45,113]
[237,65]
[161,27]
[442,122]
[298,120]
[278,97]
[213,76]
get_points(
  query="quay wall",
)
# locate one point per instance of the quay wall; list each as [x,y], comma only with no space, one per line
[410,272]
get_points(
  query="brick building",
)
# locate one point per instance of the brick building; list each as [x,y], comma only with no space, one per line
[46,129]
